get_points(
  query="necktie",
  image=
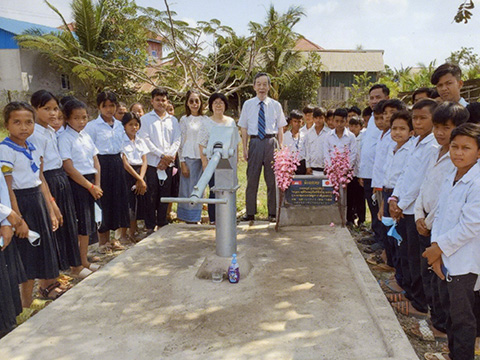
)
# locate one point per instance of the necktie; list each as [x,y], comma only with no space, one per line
[261,121]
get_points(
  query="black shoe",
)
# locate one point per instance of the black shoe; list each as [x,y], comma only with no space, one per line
[248,218]
[272,218]
[369,240]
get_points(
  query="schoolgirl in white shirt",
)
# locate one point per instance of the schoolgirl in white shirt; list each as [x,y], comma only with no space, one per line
[189,153]
[134,157]
[108,134]
[45,140]
[79,156]
[29,196]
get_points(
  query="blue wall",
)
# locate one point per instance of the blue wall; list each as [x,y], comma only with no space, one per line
[7,40]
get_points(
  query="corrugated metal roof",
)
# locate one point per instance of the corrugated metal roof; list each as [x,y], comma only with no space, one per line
[18,27]
[351,60]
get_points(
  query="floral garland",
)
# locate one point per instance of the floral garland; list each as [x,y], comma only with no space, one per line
[284,166]
[339,170]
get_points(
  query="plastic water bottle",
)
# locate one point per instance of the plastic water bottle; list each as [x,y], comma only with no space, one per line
[233,271]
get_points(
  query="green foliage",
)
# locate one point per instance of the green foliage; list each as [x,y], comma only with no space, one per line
[468,61]
[303,88]
[463,13]
[359,90]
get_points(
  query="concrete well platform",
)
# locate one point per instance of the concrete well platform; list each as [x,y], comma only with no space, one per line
[309,295]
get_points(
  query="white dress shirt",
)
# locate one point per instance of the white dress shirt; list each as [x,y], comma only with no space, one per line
[463,102]
[274,118]
[162,136]
[395,163]
[457,223]
[190,129]
[347,141]
[107,139]
[45,141]
[295,144]
[369,144]
[17,165]
[384,145]
[314,145]
[409,182]
[134,150]
[304,130]
[427,200]
[359,141]
[78,147]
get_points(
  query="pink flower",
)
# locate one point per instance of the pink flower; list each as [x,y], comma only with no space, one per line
[284,166]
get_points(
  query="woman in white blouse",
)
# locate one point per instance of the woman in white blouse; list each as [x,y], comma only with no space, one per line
[217,104]
[189,153]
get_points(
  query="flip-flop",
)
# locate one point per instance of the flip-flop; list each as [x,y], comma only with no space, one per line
[38,304]
[83,273]
[94,267]
[436,356]
[403,307]
[26,314]
[423,331]
[387,284]
[93,258]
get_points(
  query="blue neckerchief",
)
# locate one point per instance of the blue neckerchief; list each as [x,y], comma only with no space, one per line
[388,221]
[25,151]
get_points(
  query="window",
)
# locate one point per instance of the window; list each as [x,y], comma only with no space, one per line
[65,82]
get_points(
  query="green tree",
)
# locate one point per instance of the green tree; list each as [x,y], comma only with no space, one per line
[106,48]
[468,61]
[464,11]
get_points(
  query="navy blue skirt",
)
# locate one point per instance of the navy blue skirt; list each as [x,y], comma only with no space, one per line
[39,262]
[66,235]
[84,207]
[136,203]
[114,202]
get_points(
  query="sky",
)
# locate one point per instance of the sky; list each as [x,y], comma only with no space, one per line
[409,31]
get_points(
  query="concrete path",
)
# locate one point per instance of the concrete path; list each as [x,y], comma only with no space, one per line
[309,295]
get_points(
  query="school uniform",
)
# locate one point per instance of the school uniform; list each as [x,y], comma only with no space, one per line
[162,136]
[80,149]
[12,272]
[365,172]
[261,148]
[203,138]
[23,164]
[346,142]
[304,130]
[108,139]
[397,253]
[314,149]
[45,140]
[189,153]
[455,229]
[426,207]
[355,199]
[296,145]
[134,150]
[407,190]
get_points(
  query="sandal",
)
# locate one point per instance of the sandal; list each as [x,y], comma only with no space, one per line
[94,267]
[26,314]
[38,304]
[93,258]
[387,286]
[115,245]
[436,356]
[104,249]
[396,297]
[51,289]
[406,308]
[375,260]
[83,273]
[383,267]
[423,331]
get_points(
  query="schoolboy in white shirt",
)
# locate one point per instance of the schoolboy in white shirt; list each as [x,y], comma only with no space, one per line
[447,79]
[446,118]
[294,139]
[308,118]
[314,156]
[341,139]
[402,202]
[455,240]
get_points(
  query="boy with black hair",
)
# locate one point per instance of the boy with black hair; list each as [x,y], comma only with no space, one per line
[366,114]
[447,79]
[384,143]
[329,119]
[377,93]
[355,200]
[353,111]
[293,139]
[314,143]
[308,118]
[340,138]
[161,133]
[474,110]
[446,118]
[421,93]
[402,203]
[453,254]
